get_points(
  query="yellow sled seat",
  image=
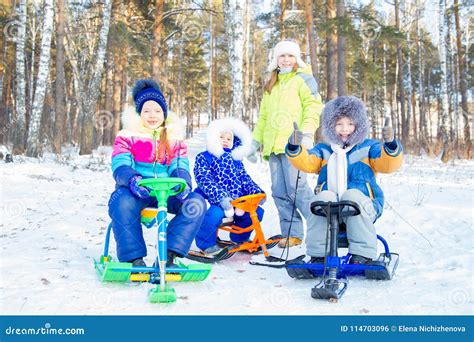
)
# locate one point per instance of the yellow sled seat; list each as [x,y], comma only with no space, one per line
[148,214]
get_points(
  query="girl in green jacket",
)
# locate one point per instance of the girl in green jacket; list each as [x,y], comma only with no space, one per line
[291,95]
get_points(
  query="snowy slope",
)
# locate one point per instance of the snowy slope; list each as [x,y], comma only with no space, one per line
[54,216]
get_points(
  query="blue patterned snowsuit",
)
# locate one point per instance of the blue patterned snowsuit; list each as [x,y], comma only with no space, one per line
[218,178]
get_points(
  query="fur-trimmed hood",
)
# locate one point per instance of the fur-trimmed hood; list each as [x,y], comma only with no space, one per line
[132,121]
[349,106]
[242,137]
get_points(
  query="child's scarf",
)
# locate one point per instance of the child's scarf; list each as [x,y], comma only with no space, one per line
[337,170]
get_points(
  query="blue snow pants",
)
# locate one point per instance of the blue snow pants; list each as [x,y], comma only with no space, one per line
[207,234]
[124,210]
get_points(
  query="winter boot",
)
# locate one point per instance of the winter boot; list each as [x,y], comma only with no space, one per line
[290,242]
[170,255]
[213,250]
[138,262]
[359,260]
[316,260]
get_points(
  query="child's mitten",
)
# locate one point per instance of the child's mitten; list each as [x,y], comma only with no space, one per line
[137,190]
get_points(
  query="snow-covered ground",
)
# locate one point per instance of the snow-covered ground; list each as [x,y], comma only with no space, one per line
[54,216]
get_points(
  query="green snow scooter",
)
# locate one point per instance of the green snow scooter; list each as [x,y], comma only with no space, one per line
[113,271]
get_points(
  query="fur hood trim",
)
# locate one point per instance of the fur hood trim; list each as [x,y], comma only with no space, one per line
[348,106]
[242,137]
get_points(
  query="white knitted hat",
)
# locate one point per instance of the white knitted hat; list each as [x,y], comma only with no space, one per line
[285,47]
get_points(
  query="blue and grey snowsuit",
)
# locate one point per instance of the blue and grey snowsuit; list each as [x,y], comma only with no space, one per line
[364,159]
[220,173]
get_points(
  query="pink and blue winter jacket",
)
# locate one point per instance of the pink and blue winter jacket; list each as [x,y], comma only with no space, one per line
[135,152]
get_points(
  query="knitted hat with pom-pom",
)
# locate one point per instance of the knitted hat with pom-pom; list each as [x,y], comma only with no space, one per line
[148,90]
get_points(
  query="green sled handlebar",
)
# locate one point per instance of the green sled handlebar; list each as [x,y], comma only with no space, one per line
[162,188]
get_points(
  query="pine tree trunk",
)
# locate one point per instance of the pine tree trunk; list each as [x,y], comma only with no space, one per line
[395,121]
[384,68]
[93,89]
[3,70]
[116,97]
[77,111]
[210,88]
[30,68]
[233,13]
[68,125]
[19,141]
[189,121]
[124,92]
[341,50]
[119,60]
[312,40]
[331,63]
[214,73]
[444,86]
[253,92]
[407,26]
[401,92]
[463,85]
[76,88]
[393,115]
[156,45]
[34,145]
[429,118]
[422,130]
[246,89]
[450,81]
[282,19]
[60,83]
[456,107]
[179,83]
[438,143]
[6,111]
[109,91]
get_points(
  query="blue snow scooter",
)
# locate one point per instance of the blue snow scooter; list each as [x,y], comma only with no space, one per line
[335,270]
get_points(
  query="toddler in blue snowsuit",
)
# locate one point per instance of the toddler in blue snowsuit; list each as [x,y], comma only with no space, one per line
[221,178]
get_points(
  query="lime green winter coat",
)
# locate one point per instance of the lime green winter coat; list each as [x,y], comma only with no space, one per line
[294,98]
